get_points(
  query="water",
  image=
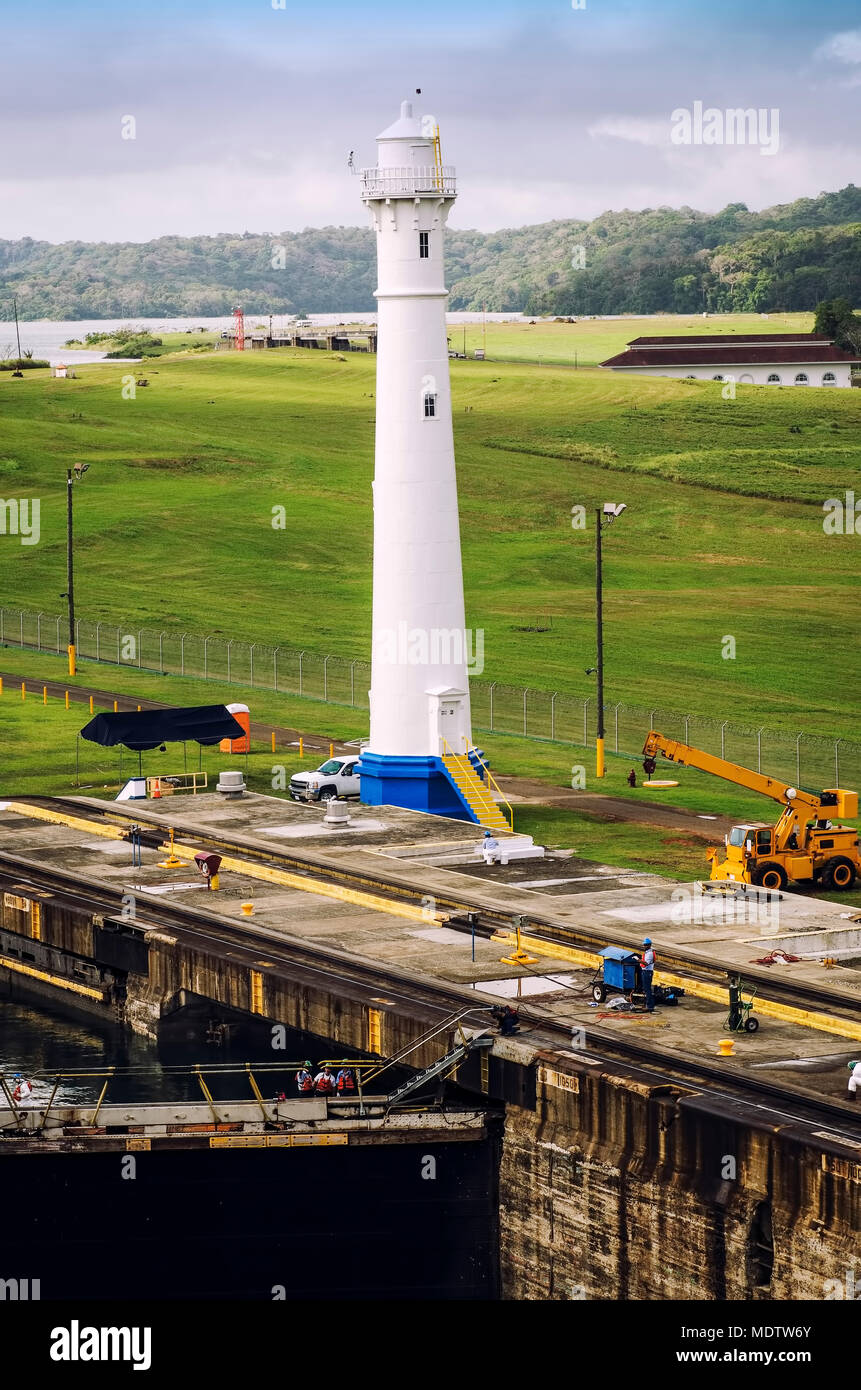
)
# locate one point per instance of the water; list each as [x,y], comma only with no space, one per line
[38,1044]
[45,338]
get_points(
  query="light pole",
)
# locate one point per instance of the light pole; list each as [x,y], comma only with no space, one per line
[603,517]
[71,476]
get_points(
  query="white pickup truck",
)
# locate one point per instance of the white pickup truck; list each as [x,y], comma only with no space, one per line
[335,777]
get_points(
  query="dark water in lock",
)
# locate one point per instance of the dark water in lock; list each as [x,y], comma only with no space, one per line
[211,1224]
[39,1044]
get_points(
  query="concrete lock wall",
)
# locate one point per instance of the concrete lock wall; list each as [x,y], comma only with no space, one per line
[615,1190]
[609,1187]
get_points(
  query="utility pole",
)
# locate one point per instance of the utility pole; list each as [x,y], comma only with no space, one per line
[599,623]
[17,371]
[70,579]
[603,517]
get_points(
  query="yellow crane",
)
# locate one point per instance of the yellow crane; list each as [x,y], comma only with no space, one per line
[804,846]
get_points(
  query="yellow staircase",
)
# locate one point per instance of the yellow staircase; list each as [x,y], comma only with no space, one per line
[476,793]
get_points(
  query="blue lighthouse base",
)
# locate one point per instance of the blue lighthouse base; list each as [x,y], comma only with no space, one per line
[418,784]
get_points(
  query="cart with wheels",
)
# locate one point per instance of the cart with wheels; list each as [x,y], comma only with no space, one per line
[619,970]
[740,1018]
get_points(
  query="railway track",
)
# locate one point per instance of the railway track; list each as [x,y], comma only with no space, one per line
[389,884]
[740,1091]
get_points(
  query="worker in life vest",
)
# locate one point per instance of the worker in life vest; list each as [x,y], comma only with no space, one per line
[305,1079]
[324,1082]
[23,1089]
[346,1082]
[647,968]
[632,777]
[854,1079]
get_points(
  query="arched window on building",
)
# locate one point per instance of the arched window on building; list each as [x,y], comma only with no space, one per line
[773,379]
[717,378]
[829,379]
[801,379]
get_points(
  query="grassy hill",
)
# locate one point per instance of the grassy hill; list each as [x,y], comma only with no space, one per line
[723,533]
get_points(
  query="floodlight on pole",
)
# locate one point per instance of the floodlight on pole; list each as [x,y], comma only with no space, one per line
[72,476]
[603,517]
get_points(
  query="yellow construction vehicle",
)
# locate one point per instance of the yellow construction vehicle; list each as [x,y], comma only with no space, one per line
[804,846]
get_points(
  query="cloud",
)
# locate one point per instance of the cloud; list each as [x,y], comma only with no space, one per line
[637,129]
[845,47]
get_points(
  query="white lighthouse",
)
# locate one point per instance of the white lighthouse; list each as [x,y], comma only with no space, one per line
[419,697]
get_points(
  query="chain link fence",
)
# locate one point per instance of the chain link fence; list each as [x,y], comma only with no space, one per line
[806,759]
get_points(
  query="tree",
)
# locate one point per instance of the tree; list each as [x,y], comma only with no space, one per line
[835,319]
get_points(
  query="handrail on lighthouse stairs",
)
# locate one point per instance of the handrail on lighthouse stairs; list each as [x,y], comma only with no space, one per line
[476,796]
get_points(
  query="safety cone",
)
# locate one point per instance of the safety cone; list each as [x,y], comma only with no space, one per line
[156,788]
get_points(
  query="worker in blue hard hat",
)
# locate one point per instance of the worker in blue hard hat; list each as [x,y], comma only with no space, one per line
[647,970]
[855,1079]
[488,847]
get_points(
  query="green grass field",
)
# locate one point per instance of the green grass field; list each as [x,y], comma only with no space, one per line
[590,341]
[49,769]
[723,533]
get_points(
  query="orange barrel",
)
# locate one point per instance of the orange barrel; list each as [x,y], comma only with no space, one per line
[242,716]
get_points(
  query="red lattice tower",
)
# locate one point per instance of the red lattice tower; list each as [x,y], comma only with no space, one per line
[239,329]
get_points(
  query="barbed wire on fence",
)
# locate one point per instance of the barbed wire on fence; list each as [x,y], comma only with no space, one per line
[497,707]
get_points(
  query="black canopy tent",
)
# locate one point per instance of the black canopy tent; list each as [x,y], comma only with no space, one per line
[142,730]
[149,728]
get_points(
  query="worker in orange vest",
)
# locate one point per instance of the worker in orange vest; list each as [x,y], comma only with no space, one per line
[324,1082]
[305,1079]
[346,1083]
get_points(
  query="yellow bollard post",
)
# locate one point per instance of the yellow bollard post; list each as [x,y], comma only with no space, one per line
[91,705]
[273,740]
[331,750]
[599,757]
[72,661]
[725,1047]
[139,709]
[44,694]
[1,685]
[247,909]
[301,747]
[116,708]
[67,699]
[23,690]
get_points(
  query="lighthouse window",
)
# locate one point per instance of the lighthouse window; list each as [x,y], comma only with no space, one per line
[424,246]
[430,405]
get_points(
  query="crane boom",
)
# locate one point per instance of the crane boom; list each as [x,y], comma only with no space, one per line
[687,756]
[803,845]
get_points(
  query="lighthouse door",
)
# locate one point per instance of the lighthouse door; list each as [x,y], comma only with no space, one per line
[446,722]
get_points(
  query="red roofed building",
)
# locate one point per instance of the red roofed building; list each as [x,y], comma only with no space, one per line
[753,359]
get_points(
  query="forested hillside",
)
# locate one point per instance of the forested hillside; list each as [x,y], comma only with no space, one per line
[672,260]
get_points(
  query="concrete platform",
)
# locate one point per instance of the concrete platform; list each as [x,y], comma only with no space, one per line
[412,849]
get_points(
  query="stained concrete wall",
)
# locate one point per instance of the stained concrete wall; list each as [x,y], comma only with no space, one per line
[614,1189]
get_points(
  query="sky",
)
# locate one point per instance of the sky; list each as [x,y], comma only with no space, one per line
[245,111]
